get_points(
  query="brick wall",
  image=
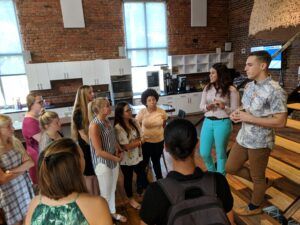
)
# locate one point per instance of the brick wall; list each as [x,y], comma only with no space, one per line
[239,15]
[184,39]
[43,34]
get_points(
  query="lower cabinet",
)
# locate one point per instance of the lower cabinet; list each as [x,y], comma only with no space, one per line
[194,102]
[189,102]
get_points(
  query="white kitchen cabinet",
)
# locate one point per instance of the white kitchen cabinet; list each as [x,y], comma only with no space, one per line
[88,72]
[38,77]
[182,102]
[64,111]
[189,102]
[119,66]
[101,69]
[56,71]
[73,69]
[94,72]
[169,100]
[194,102]
[64,70]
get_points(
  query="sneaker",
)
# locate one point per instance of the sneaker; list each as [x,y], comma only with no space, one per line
[245,211]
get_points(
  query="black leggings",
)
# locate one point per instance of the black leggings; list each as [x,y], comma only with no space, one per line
[153,151]
[128,174]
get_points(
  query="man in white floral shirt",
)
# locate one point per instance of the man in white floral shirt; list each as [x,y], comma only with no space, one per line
[264,108]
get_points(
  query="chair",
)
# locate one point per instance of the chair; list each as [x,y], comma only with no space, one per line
[181,114]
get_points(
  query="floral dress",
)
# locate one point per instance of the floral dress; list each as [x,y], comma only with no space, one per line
[16,194]
[69,214]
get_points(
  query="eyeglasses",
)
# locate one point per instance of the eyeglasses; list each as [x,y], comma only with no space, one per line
[41,102]
[128,110]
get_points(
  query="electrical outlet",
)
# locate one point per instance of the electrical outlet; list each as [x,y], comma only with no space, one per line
[243,51]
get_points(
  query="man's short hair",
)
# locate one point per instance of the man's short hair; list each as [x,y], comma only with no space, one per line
[262,56]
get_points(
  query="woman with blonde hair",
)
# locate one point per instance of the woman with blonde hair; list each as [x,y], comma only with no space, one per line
[31,130]
[63,195]
[15,185]
[50,124]
[79,132]
[105,152]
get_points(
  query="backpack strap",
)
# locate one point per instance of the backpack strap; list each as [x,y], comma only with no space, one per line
[207,184]
[172,189]
[175,190]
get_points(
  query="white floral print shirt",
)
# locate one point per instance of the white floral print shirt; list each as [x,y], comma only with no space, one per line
[261,99]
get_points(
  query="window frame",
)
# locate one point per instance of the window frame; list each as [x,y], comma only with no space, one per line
[147,49]
[12,54]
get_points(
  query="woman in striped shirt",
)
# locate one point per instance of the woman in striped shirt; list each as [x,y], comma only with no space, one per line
[106,153]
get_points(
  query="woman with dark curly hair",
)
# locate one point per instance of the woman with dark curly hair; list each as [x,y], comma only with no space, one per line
[153,120]
[219,99]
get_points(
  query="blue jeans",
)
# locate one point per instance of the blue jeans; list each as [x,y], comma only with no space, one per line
[215,132]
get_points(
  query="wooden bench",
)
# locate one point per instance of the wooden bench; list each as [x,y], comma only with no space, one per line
[293,123]
[279,199]
[289,157]
[241,199]
[288,144]
[294,106]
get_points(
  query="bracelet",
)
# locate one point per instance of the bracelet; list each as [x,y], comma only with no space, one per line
[8,172]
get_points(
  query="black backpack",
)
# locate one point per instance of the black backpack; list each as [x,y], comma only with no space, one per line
[203,210]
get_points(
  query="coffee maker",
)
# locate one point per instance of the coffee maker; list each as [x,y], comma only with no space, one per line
[167,82]
[181,83]
[170,83]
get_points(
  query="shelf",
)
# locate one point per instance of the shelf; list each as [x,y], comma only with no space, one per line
[190,59]
[202,58]
[199,63]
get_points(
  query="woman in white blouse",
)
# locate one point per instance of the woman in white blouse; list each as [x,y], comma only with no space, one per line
[219,99]
[129,137]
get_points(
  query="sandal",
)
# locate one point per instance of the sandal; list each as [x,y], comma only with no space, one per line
[134,204]
[119,217]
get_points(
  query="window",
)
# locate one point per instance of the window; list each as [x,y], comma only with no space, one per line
[13,81]
[146,38]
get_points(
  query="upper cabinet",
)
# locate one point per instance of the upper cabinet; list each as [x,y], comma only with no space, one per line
[64,70]
[119,66]
[38,77]
[94,72]
[198,63]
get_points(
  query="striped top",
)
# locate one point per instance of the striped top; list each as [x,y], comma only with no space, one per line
[108,140]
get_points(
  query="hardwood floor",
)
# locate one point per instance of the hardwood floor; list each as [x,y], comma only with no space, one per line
[122,203]
[283,168]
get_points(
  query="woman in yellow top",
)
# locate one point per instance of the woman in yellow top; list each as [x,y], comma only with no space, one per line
[153,120]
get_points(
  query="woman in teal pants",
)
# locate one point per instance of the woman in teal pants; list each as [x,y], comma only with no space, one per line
[219,99]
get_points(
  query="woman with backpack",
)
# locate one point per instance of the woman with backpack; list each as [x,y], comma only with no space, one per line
[210,193]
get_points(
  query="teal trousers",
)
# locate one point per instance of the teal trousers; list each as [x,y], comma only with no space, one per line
[215,133]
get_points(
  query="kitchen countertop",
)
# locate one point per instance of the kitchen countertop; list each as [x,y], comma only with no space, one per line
[66,120]
[70,104]
[25,109]
[166,94]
